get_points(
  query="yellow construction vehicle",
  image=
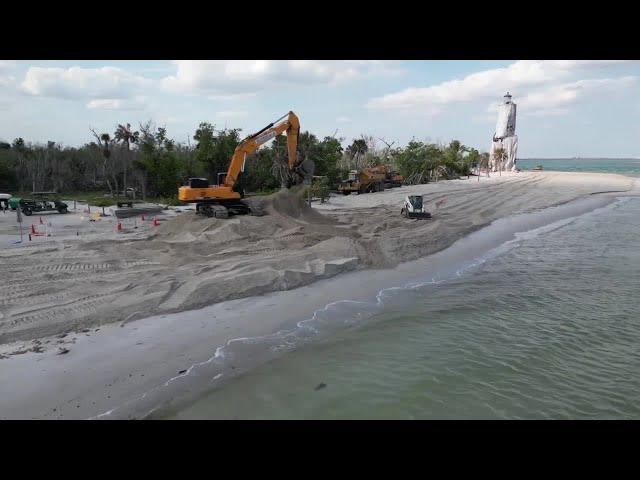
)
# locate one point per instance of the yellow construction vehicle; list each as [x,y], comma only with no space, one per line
[391,177]
[225,198]
[364,181]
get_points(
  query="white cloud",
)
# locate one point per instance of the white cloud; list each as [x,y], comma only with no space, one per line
[82,83]
[234,97]
[7,65]
[232,114]
[222,78]
[5,79]
[117,104]
[518,78]
[555,99]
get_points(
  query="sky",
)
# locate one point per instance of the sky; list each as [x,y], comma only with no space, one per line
[567,108]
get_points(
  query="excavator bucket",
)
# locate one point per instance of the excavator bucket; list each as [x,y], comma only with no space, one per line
[305,171]
[302,174]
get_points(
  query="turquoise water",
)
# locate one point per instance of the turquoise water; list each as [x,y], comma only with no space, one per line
[625,166]
[548,328]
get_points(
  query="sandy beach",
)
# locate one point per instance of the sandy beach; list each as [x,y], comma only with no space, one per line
[96,319]
[57,285]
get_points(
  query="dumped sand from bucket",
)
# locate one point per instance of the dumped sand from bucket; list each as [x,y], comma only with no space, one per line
[285,211]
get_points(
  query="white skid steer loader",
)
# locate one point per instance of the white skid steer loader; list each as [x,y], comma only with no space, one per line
[414,207]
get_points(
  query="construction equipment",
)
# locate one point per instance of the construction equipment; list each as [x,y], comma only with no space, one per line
[365,181]
[394,179]
[414,207]
[391,177]
[225,198]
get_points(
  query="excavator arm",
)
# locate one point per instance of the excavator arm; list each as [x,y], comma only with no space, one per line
[290,125]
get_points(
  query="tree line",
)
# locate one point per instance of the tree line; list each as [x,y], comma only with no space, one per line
[148,160]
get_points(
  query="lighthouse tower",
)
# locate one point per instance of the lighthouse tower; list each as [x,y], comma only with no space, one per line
[505,137]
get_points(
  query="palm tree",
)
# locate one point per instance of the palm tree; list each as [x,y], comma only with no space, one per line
[356,150]
[123,134]
[483,161]
[104,140]
[106,153]
[499,156]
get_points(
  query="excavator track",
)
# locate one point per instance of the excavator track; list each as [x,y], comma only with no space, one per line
[212,210]
[224,209]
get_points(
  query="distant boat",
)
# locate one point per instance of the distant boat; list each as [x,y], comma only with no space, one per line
[538,168]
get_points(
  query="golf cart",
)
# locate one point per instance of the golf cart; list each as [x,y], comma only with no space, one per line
[414,207]
[42,202]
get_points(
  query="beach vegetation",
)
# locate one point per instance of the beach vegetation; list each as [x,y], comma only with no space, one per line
[147,163]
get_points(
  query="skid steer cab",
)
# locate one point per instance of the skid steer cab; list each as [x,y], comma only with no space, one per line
[414,207]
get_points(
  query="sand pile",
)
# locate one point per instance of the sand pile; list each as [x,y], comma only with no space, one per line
[286,213]
[291,203]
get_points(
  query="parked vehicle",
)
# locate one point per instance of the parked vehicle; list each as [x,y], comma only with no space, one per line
[366,180]
[43,204]
[392,178]
[4,200]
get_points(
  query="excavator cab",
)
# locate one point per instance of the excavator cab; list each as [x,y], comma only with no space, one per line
[198,183]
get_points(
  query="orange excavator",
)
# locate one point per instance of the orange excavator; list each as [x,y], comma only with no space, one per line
[225,198]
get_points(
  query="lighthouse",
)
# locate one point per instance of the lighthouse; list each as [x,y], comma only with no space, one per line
[505,137]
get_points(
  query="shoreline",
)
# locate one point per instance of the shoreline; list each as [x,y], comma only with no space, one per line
[182,343]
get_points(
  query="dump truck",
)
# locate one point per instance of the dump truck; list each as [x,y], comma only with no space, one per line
[394,179]
[391,177]
[364,181]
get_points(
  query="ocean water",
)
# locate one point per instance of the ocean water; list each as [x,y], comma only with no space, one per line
[548,329]
[625,166]
[545,327]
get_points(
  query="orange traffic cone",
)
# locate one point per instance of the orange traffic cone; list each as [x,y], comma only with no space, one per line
[154,222]
[34,232]
[119,226]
